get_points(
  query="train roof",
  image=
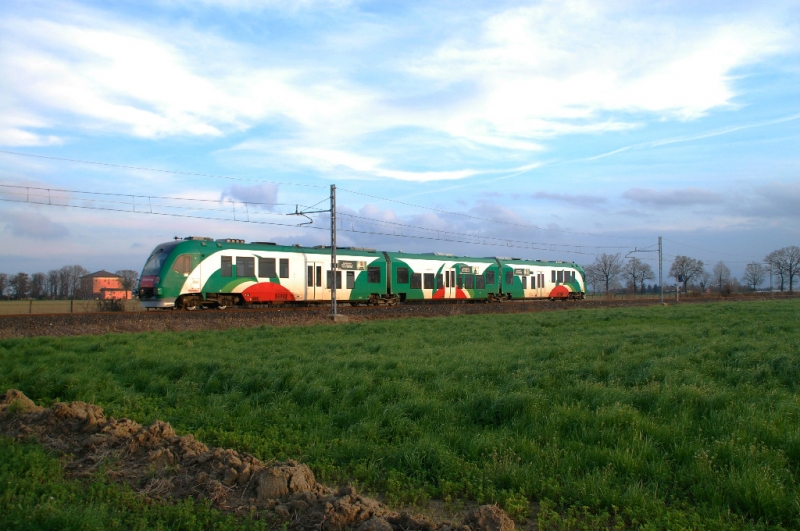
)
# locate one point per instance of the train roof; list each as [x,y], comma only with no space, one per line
[236,243]
[200,242]
[400,255]
[534,263]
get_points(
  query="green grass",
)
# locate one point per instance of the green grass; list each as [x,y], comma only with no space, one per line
[655,418]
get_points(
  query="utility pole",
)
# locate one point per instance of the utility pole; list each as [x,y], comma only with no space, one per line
[660,265]
[333,252]
[337,317]
[660,269]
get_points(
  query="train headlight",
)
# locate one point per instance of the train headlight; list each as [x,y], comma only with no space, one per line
[158,291]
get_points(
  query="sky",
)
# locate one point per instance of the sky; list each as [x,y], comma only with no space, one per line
[543,130]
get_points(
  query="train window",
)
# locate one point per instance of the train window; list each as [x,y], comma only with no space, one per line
[183,265]
[226,269]
[266,268]
[154,263]
[524,282]
[284,263]
[509,277]
[460,281]
[310,277]
[490,277]
[452,279]
[338,279]
[245,266]
[416,281]
[480,282]
[429,277]
[374,275]
[319,276]
[553,276]
[533,282]
[446,279]
[351,279]
[469,281]
[559,276]
[402,275]
[440,281]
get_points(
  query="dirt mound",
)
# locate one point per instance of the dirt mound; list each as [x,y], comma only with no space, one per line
[157,462]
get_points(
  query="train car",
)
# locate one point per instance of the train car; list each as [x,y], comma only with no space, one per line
[539,279]
[434,276]
[199,272]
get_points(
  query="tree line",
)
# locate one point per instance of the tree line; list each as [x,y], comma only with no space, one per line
[608,269]
[64,283]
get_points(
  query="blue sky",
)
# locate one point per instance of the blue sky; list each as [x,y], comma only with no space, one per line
[544,130]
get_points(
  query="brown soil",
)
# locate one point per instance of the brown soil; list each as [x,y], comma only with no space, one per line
[104,323]
[163,466]
[70,324]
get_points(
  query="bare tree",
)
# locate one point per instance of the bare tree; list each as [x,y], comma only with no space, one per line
[19,284]
[721,276]
[52,284]
[64,282]
[3,284]
[685,269]
[637,272]
[647,274]
[785,263]
[606,267]
[38,281]
[590,275]
[129,278]
[77,272]
[753,274]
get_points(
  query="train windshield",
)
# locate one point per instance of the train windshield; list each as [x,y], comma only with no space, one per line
[157,259]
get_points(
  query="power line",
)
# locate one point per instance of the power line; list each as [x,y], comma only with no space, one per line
[705,250]
[458,238]
[378,222]
[490,220]
[194,174]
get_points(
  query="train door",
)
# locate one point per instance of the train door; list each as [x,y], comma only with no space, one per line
[314,281]
[194,283]
[540,284]
[449,283]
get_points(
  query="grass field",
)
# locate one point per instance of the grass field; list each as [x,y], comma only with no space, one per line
[677,417]
[59,306]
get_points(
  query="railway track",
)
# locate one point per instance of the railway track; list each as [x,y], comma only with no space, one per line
[97,323]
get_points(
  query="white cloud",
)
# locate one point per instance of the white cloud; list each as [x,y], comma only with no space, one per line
[673,197]
[261,5]
[29,224]
[557,67]
[529,73]
[260,195]
[114,75]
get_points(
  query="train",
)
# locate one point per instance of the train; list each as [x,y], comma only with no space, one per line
[198,272]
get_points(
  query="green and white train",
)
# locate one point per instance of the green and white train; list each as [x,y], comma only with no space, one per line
[199,272]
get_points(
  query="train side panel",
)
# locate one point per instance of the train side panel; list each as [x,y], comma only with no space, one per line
[534,279]
[430,277]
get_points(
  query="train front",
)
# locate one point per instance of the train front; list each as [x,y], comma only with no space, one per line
[153,291]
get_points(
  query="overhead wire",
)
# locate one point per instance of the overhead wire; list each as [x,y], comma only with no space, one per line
[377,222]
[195,174]
[467,239]
[479,218]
